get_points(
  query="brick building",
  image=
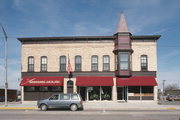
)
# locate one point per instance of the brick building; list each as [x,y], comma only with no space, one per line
[118,67]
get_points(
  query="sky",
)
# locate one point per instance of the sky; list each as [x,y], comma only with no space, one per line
[46,18]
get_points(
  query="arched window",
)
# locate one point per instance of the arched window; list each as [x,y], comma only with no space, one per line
[43,63]
[30,64]
[106,63]
[62,63]
[94,63]
[77,63]
[144,62]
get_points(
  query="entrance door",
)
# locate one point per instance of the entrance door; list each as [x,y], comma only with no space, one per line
[122,93]
[82,92]
[70,84]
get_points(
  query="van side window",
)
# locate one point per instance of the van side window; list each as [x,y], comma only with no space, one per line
[74,97]
[55,97]
[65,97]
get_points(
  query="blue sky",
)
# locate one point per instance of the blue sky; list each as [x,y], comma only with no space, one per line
[30,18]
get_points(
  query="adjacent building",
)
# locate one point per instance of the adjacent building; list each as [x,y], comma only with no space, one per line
[118,67]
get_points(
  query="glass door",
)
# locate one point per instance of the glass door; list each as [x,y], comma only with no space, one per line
[122,93]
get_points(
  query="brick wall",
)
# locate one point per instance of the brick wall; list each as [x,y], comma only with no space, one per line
[86,50]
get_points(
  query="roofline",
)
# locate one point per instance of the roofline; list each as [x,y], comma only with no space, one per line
[68,38]
[140,37]
[91,38]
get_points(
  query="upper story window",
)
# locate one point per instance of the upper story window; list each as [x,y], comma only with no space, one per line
[144,62]
[106,63]
[62,63]
[43,63]
[124,61]
[77,63]
[94,63]
[30,64]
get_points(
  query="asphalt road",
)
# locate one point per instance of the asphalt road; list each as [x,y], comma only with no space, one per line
[88,115]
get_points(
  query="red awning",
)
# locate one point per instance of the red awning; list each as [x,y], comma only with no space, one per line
[42,81]
[94,81]
[136,81]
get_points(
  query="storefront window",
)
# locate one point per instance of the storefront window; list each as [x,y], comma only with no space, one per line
[94,93]
[57,89]
[29,89]
[43,89]
[134,93]
[134,89]
[106,93]
[147,89]
[100,93]
[147,93]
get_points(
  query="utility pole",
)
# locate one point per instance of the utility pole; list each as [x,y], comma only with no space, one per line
[163,88]
[5,65]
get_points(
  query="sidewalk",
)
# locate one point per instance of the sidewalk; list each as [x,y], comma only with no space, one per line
[18,106]
[96,105]
[133,105]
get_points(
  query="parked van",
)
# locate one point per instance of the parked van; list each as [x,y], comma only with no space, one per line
[71,101]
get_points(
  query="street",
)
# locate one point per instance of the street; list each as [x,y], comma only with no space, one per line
[88,115]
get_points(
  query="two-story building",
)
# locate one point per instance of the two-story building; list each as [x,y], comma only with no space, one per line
[118,67]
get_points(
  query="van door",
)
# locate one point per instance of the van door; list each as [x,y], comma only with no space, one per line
[53,101]
[64,100]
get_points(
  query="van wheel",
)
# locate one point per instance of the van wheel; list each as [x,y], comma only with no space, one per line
[73,107]
[43,107]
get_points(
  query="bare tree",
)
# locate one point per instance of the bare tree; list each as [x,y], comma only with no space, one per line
[171,87]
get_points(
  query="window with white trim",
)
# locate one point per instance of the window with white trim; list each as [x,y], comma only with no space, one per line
[106,61]
[30,64]
[43,64]
[78,63]
[94,63]
[62,63]
[144,62]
